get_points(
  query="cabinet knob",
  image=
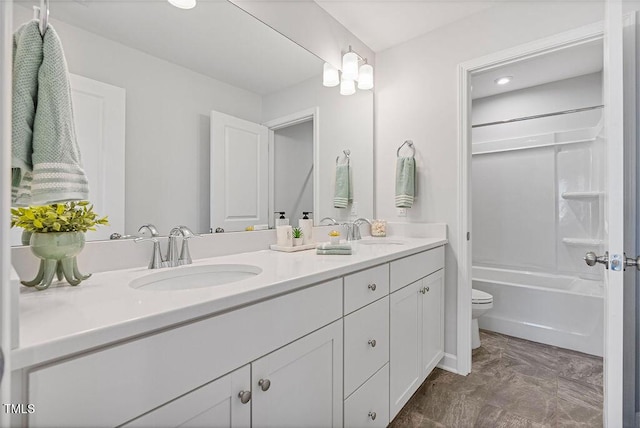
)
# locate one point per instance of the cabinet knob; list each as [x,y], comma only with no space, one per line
[264,384]
[423,290]
[372,287]
[245,396]
[372,415]
[427,288]
[372,342]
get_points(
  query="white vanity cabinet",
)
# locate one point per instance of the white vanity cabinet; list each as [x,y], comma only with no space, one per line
[416,324]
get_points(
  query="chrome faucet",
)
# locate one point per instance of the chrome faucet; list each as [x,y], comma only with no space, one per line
[332,220]
[172,258]
[354,229]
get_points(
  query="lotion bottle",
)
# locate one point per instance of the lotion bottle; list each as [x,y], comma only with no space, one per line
[306,224]
[282,220]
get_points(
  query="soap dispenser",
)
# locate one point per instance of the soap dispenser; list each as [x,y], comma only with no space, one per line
[282,220]
[306,224]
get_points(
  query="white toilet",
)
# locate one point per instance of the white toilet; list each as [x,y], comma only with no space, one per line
[481,302]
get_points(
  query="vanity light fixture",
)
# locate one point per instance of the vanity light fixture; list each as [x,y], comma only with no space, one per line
[354,68]
[330,76]
[183,4]
[503,80]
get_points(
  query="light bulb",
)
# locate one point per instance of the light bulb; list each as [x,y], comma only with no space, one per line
[503,80]
[350,66]
[365,78]
[347,86]
[183,4]
[330,76]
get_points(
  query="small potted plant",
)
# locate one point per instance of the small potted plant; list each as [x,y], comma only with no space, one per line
[334,237]
[57,237]
[297,236]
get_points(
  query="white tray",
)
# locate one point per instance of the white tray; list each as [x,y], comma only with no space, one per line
[292,249]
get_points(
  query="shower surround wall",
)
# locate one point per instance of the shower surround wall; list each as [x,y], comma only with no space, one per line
[536,195]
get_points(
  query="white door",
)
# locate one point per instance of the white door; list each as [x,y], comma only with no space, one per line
[239,173]
[300,385]
[223,403]
[614,215]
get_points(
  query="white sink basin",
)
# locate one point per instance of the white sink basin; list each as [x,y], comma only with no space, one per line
[187,278]
[380,241]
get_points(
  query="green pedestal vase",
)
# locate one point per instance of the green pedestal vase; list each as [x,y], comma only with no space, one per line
[57,252]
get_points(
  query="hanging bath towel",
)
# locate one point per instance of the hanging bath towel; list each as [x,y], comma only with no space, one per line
[27,59]
[343,192]
[405,182]
[57,169]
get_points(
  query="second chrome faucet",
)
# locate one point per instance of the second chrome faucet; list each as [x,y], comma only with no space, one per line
[172,258]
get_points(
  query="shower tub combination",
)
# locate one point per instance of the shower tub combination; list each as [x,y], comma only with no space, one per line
[558,310]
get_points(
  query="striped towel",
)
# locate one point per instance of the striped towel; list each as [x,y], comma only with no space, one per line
[57,173]
[27,59]
[405,182]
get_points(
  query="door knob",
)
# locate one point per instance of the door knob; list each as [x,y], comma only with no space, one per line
[264,384]
[631,262]
[244,396]
[591,258]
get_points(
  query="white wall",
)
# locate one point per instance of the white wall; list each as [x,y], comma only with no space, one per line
[567,94]
[167,125]
[293,172]
[417,98]
[344,123]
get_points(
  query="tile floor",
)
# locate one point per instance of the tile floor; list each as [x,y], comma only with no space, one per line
[514,383]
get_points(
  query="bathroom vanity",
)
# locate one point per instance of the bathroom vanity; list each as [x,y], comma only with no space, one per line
[310,341]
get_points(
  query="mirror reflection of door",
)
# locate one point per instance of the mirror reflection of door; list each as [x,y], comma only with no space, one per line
[293,170]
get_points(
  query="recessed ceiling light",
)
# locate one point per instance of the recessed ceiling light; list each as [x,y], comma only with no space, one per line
[183,4]
[503,80]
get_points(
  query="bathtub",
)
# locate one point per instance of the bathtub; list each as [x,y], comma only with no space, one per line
[563,311]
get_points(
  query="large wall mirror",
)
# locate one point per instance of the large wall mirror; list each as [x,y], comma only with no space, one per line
[205,117]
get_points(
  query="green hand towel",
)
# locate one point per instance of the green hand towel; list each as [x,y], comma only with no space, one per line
[333,252]
[27,59]
[330,246]
[342,194]
[405,182]
[57,170]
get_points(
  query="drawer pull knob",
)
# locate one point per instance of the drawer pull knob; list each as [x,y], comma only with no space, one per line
[372,287]
[423,290]
[264,384]
[245,396]
[427,289]
[372,342]
[372,415]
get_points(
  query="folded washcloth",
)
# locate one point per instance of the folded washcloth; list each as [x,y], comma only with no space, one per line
[27,59]
[405,182]
[343,192]
[330,246]
[333,252]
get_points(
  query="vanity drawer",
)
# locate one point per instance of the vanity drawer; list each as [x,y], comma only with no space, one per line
[365,287]
[412,268]
[366,343]
[370,401]
[139,375]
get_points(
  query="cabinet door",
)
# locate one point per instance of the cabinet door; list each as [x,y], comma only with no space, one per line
[432,321]
[405,343]
[300,385]
[216,404]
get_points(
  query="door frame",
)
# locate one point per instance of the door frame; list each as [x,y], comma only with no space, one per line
[6,301]
[532,49]
[301,116]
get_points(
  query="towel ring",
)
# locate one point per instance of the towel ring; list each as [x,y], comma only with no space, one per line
[346,152]
[410,144]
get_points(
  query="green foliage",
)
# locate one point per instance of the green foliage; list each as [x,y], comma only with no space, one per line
[67,217]
[297,232]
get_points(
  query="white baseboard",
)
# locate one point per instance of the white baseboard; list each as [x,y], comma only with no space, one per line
[449,363]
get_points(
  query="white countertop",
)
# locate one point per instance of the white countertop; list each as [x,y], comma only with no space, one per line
[65,320]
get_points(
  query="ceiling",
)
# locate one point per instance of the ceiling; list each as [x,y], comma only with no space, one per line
[563,64]
[216,39]
[382,24]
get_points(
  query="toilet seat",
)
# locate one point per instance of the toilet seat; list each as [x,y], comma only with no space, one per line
[480,297]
